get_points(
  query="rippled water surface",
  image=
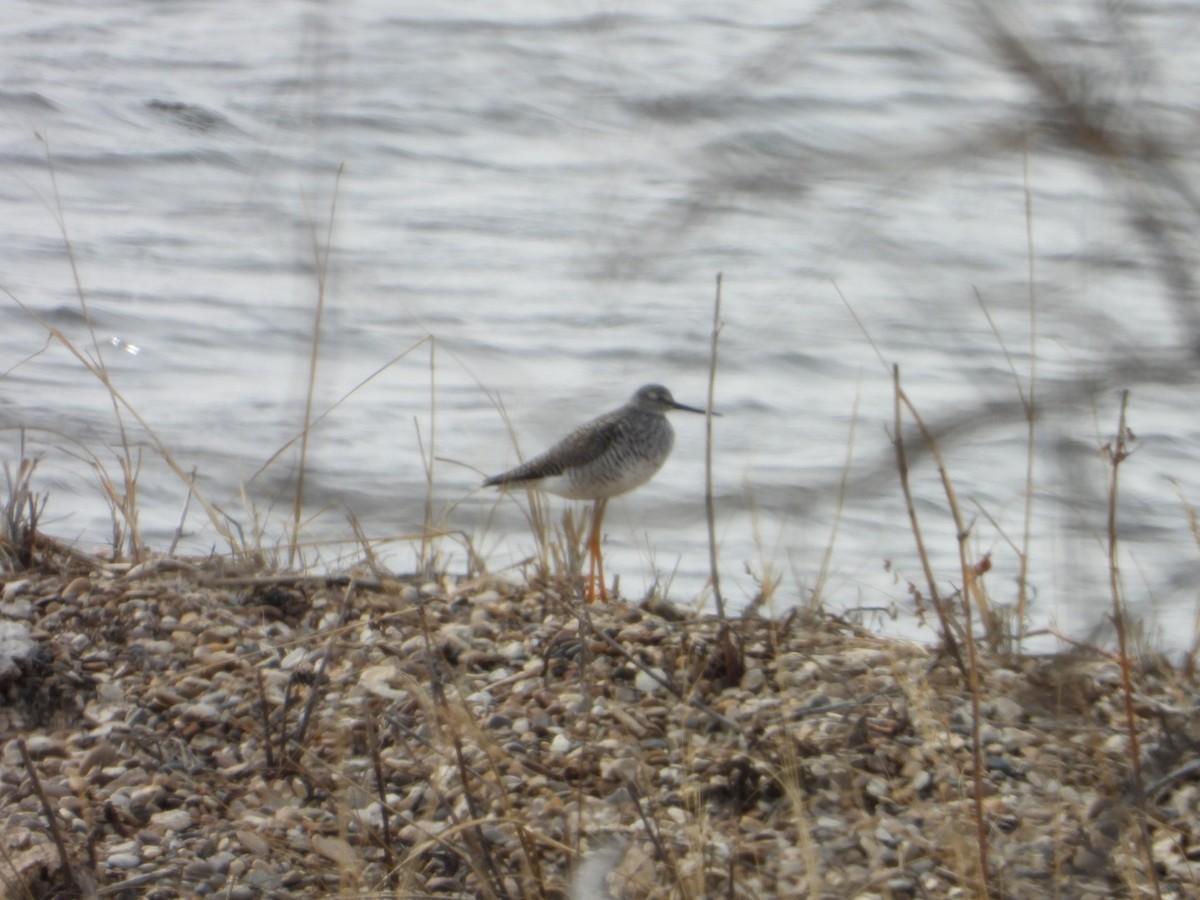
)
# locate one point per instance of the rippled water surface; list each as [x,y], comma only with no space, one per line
[527,204]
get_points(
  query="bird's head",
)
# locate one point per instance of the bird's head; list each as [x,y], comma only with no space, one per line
[655,398]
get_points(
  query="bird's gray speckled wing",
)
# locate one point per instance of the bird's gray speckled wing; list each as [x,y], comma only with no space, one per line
[580,447]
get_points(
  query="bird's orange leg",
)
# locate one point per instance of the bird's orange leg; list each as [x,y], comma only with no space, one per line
[595,561]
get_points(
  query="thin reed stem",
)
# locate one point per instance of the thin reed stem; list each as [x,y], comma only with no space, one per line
[321,256]
[1030,417]
[709,503]
[427,459]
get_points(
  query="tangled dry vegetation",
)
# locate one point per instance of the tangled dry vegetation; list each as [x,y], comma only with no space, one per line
[177,729]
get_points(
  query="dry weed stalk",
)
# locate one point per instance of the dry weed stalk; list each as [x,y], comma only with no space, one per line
[1117,451]
[968,591]
[732,653]
[948,626]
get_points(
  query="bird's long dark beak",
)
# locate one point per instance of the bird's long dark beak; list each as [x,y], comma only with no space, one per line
[686,408]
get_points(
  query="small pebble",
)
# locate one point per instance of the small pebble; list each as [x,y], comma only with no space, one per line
[172,820]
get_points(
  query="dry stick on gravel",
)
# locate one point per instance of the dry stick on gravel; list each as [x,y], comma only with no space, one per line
[968,635]
[381,791]
[285,755]
[80,884]
[653,831]
[472,833]
[266,718]
[319,675]
[136,882]
[479,857]
[1118,452]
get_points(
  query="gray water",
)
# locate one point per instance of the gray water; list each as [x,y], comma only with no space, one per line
[533,204]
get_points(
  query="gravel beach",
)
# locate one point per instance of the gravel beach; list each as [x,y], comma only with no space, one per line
[204,731]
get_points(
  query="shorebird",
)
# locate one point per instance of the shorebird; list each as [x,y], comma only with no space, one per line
[609,455]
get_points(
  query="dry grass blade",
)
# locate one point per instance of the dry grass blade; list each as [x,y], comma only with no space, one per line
[822,579]
[22,511]
[127,500]
[215,516]
[291,442]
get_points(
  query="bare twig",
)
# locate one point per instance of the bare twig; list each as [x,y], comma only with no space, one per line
[266,719]
[968,589]
[319,676]
[1118,451]
[51,820]
[733,662]
[381,792]
[950,643]
[137,881]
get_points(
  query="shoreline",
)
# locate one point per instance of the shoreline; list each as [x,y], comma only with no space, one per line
[203,731]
